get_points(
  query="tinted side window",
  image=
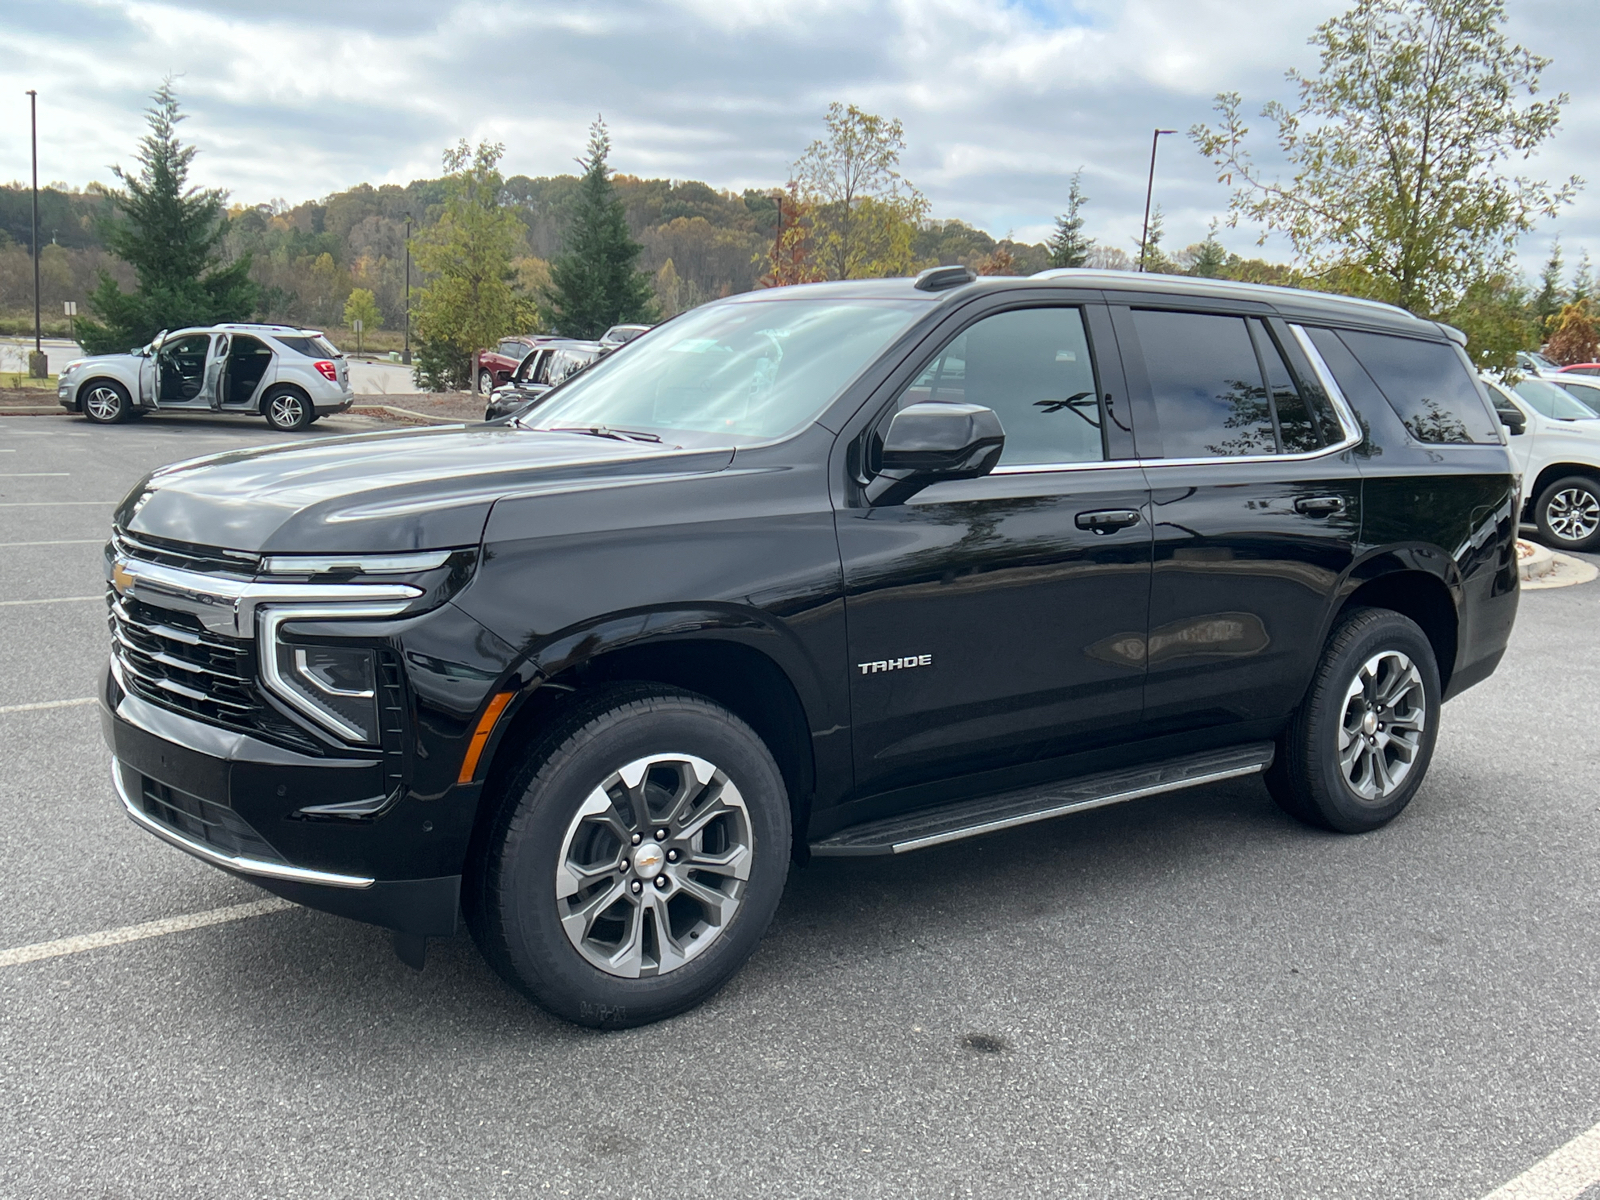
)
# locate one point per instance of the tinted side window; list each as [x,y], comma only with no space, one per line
[1306,422]
[1427,385]
[1032,366]
[1206,383]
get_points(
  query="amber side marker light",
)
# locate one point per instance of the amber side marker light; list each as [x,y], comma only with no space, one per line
[480,736]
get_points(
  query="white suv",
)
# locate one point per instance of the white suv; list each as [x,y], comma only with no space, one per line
[1555,444]
[290,376]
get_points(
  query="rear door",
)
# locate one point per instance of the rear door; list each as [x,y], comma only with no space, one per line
[998,621]
[1256,501]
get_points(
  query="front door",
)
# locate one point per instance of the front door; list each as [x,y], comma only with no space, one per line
[998,621]
[1257,509]
[181,376]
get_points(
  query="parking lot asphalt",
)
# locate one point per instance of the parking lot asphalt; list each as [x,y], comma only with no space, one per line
[1189,995]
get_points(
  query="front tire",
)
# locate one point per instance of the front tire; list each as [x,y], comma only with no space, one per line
[485,383]
[1357,749]
[106,402]
[286,409]
[635,859]
[1568,514]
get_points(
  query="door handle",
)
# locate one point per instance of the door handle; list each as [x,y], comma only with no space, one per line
[1108,520]
[1319,506]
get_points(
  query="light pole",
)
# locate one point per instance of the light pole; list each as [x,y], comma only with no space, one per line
[1149,187]
[38,365]
[405,355]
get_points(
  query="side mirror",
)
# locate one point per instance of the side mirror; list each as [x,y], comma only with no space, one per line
[930,443]
[1513,421]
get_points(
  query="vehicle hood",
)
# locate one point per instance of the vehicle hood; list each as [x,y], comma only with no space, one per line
[128,362]
[414,489]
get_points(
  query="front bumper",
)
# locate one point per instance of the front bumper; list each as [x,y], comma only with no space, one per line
[231,800]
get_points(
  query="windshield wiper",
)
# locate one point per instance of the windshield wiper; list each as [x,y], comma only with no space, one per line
[605,431]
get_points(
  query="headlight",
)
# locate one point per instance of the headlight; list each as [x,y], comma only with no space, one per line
[339,683]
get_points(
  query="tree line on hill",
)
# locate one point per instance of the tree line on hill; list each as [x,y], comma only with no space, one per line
[1398,194]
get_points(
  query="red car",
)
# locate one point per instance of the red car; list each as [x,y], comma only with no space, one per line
[1580,369]
[493,367]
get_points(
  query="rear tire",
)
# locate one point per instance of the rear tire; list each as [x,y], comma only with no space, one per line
[105,402]
[1568,514]
[1358,747]
[564,894]
[286,409]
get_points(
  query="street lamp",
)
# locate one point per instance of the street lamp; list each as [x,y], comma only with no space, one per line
[38,365]
[1149,187]
[405,355]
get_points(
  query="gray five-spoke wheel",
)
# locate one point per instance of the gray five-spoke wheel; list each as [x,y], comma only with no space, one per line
[1385,717]
[1573,514]
[654,865]
[286,410]
[103,403]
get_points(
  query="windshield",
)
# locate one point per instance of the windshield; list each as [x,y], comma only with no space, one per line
[1551,401]
[746,371]
[1540,361]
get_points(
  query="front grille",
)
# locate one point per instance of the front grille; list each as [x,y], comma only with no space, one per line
[169,658]
[214,825]
[207,560]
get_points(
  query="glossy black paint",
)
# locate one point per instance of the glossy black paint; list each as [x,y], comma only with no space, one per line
[1054,648]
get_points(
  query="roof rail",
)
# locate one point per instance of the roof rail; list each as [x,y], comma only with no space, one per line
[938,279]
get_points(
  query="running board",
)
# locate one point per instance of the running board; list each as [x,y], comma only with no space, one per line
[969,818]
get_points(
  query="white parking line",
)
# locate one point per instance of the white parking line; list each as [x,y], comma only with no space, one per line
[53,600]
[135,933]
[11,708]
[36,475]
[56,503]
[1564,1175]
[57,542]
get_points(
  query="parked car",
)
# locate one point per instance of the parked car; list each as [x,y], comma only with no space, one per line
[1555,444]
[289,376]
[841,569]
[555,360]
[1581,369]
[619,335]
[493,367]
[1585,389]
[1531,362]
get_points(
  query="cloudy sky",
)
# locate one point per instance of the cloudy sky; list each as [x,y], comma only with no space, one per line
[1001,99]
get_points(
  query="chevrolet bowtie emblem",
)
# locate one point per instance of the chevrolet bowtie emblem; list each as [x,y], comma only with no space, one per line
[121,579]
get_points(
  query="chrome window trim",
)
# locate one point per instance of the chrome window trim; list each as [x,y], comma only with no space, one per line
[1341,408]
[247,866]
[272,620]
[228,606]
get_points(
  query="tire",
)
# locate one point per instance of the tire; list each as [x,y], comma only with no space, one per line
[1568,514]
[105,402]
[604,963]
[286,409]
[485,383]
[1335,767]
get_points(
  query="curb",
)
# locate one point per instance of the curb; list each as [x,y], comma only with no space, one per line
[1541,568]
[404,414]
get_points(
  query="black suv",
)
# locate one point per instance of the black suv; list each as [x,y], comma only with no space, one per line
[843,569]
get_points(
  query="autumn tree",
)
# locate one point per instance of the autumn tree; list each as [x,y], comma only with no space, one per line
[469,302]
[865,213]
[1577,335]
[1067,245]
[171,234]
[1399,146]
[790,259]
[595,282]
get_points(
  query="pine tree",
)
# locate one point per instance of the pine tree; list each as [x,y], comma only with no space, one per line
[1582,286]
[594,282]
[1209,256]
[171,234]
[1547,300]
[1067,245]
[1151,259]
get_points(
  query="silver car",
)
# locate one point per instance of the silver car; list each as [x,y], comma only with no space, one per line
[290,376]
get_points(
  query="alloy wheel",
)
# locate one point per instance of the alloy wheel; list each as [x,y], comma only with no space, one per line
[654,865]
[103,403]
[1385,717]
[485,383]
[286,411]
[1573,514]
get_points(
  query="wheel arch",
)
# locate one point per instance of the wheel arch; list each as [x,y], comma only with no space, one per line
[1417,593]
[282,385]
[1554,471]
[736,666]
[130,394]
